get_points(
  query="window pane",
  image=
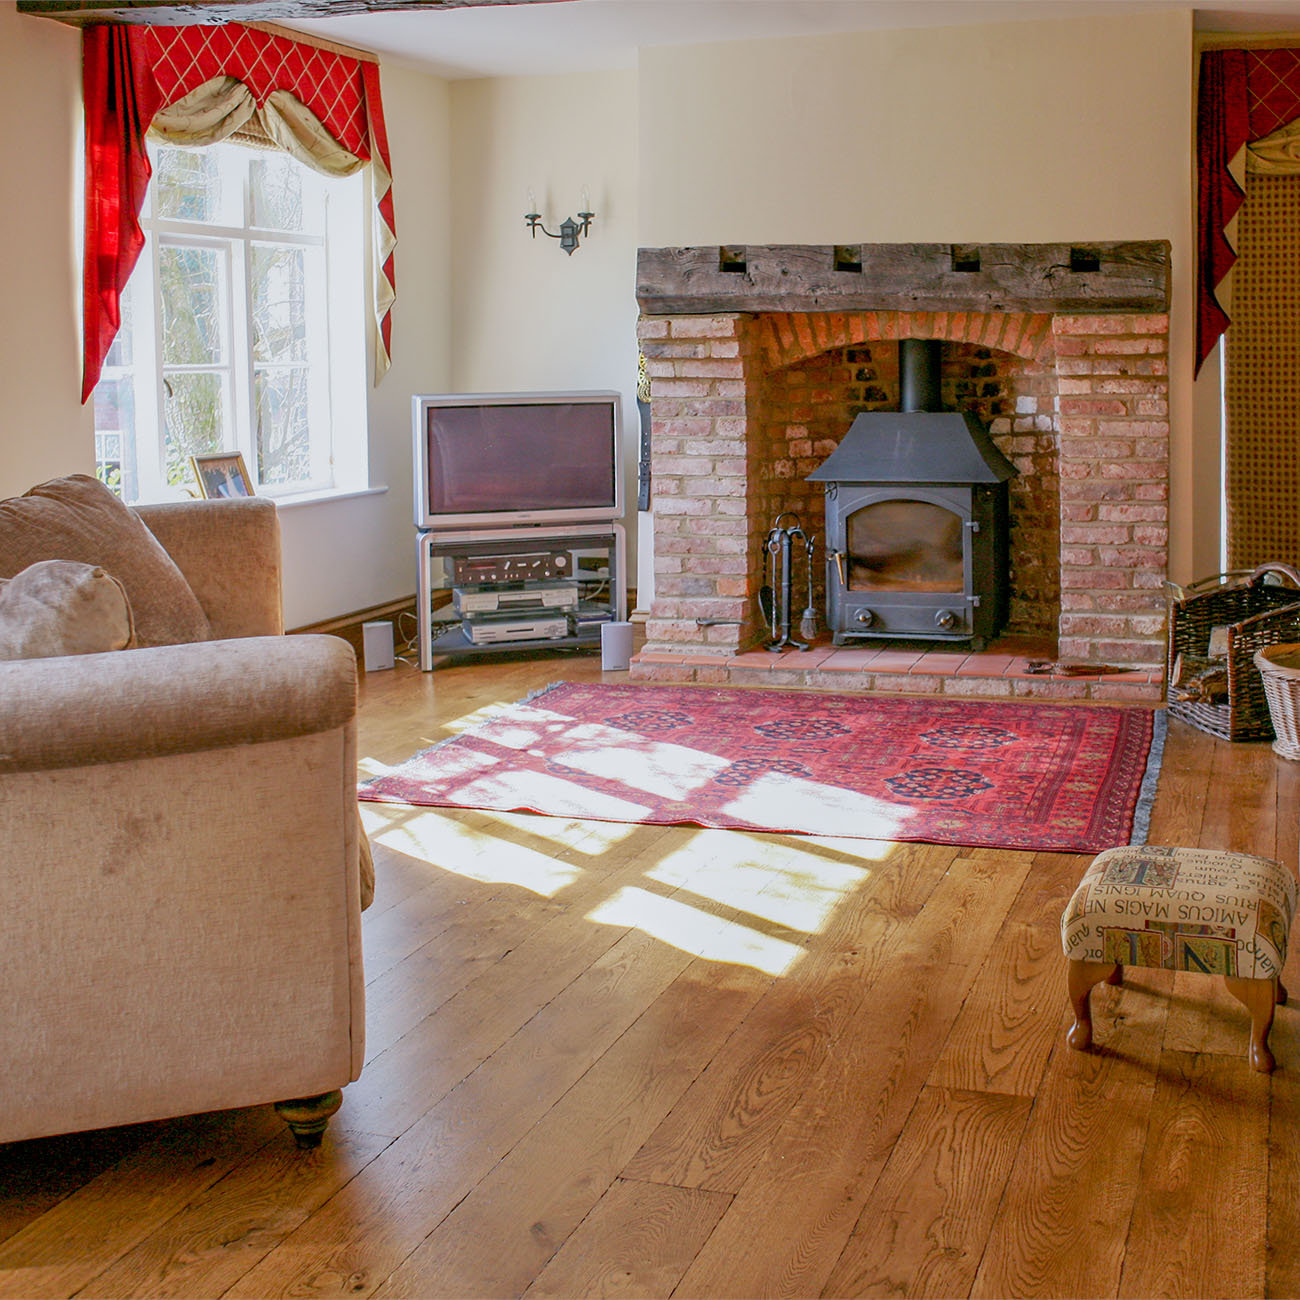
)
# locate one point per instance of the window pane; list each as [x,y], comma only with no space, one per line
[283,441]
[279,289]
[120,353]
[114,426]
[187,183]
[193,418]
[275,182]
[190,285]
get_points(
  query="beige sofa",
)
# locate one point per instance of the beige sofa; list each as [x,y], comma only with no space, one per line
[182,930]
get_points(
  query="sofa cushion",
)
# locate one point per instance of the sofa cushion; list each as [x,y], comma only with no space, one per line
[62,607]
[78,518]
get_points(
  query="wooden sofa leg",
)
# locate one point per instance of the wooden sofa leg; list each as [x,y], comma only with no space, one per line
[1260,997]
[308,1116]
[1082,976]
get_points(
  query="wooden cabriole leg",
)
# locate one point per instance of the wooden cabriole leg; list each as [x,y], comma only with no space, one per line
[308,1116]
[1260,997]
[1082,976]
[1116,976]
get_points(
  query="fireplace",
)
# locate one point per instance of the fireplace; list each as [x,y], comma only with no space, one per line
[916,518]
[1055,359]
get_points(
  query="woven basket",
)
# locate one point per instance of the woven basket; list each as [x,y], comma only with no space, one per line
[1257,614]
[1279,667]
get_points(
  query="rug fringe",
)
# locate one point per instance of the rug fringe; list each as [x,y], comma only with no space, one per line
[1147,790]
[541,690]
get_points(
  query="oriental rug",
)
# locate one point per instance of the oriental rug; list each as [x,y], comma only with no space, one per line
[1071,778]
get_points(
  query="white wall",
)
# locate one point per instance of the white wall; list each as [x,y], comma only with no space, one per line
[342,556]
[44,429]
[1069,130]
[526,316]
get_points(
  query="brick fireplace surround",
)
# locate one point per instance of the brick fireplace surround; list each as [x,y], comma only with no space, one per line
[744,404]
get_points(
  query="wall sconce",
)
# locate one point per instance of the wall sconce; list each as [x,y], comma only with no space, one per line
[571,229]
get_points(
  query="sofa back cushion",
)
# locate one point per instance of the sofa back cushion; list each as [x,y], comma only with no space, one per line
[78,518]
[63,607]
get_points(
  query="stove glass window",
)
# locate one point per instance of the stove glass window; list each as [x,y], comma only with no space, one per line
[905,546]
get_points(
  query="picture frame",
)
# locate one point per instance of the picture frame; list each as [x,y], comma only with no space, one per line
[221,474]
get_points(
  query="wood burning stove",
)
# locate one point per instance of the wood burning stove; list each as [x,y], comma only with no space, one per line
[916,518]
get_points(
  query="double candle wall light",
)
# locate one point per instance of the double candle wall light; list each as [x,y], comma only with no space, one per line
[571,228]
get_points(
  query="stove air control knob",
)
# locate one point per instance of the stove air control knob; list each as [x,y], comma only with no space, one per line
[946,619]
[866,617]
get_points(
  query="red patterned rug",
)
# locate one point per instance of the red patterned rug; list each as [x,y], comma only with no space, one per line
[979,773]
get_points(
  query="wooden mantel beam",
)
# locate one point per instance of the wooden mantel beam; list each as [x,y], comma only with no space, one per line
[1075,278]
[176,13]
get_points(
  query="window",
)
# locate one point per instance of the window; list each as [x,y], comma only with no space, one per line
[242,328]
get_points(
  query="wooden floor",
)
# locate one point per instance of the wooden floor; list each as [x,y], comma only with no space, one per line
[616,1060]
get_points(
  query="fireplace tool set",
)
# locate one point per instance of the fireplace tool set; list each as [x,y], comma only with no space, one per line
[777,600]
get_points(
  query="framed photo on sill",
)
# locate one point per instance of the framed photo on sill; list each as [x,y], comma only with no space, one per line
[222,474]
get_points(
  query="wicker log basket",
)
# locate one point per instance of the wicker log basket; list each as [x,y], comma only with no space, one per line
[1279,667]
[1251,611]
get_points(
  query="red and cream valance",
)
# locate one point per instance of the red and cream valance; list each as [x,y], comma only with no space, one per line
[1245,97]
[199,84]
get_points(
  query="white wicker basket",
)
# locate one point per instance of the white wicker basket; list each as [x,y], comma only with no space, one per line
[1279,667]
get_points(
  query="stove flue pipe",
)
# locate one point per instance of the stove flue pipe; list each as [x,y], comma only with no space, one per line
[919,369]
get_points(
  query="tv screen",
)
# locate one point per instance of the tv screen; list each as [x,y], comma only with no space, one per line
[516,458]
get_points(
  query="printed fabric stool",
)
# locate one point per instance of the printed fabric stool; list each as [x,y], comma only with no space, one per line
[1199,910]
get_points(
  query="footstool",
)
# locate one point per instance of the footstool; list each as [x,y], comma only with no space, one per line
[1201,910]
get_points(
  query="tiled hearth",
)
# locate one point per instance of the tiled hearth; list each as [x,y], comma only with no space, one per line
[999,672]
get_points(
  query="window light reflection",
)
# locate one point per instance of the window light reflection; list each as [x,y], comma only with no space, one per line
[772,879]
[450,845]
[691,930]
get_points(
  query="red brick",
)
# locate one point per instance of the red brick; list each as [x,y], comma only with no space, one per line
[697,327]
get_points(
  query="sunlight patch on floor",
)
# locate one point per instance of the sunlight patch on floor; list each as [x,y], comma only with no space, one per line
[830,808]
[589,837]
[428,834]
[774,879]
[689,929]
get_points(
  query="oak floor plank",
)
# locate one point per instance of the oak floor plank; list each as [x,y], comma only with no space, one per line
[635,1244]
[1183,789]
[1197,1232]
[504,1233]
[719,1132]
[1047,888]
[1002,1039]
[404,1082]
[824,1160]
[1062,1227]
[1282,1257]
[363,1233]
[36,1175]
[230,1226]
[63,1250]
[923,1228]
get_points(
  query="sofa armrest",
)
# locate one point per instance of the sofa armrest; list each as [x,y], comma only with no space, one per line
[229,552]
[81,710]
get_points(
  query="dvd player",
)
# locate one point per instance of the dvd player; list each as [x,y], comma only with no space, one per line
[537,596]
[495,629]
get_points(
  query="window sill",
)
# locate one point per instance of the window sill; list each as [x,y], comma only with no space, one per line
[293,500]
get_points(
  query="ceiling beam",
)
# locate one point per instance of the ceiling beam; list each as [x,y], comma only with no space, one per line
[174,13]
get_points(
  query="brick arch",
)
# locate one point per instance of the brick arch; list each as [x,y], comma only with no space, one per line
[785,338]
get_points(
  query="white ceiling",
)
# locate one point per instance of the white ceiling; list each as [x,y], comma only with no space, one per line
[522,39]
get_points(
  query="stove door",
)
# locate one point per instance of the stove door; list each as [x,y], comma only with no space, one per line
[900,561]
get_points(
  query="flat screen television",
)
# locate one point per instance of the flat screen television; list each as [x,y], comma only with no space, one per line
[506,459]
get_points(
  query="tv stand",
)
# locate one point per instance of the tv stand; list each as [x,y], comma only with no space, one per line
[518,578]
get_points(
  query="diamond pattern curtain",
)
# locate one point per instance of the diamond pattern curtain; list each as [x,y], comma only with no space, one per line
[130,73]
[1244,95]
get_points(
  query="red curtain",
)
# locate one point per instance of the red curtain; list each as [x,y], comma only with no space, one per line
[1244,95]
[120,103]
[130,72]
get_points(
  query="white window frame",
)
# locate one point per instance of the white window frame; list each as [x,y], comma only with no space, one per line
[336,334]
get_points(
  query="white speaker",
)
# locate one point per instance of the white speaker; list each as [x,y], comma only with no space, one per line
[615,646]
[377,645]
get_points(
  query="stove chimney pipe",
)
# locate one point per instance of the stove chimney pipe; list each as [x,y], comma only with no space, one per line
[918,375]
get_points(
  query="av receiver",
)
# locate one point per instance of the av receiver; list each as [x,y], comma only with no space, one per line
[469,570]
